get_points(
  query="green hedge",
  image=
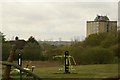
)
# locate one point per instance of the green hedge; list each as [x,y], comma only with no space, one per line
[97,55]
[94,55]
[32,51]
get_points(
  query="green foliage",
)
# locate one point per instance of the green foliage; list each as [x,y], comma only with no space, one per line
[76,52]
[32,40]
[95,39]
[5,50]
[2,38]
[110,40]
[32,51]
[115,49]
[95,49]
[118,35]
[64,48]
[97,55]
[102,45]
[92,55]
[50,50]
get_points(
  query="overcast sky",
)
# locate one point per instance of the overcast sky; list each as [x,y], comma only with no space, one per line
[52,20]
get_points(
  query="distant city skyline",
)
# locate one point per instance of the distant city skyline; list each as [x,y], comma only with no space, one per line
[52,20]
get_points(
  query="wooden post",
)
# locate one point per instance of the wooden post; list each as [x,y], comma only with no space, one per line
[6,75]
[20,64]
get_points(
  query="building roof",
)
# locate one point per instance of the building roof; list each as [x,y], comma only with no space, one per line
[101,18]
[18,42]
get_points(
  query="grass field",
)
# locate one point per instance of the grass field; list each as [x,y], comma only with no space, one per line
[49,69]
[82,71]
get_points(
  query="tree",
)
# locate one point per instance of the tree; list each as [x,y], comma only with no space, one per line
[32,51]
[115,49]
[50,50]
[95,39]
[76,52]
[6,47]
[118,36]
[32,40]
[2,38]
[97,55]
[110,40]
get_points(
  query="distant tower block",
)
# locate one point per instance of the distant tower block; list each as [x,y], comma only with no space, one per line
[101,24]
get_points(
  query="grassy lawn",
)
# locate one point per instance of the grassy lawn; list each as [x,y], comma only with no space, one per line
[49,70]
[82,71]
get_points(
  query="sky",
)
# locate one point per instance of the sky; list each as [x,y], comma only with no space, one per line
[53,20]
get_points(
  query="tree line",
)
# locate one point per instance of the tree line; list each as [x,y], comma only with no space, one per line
[99,48]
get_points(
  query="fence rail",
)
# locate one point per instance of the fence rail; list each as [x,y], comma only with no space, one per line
[36,77]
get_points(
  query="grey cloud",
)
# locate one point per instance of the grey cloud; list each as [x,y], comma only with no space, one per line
[54,19]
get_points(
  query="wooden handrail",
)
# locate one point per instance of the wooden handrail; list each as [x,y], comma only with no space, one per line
[20,68]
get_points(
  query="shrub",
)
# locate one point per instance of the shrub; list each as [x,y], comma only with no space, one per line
[97,55]
[32,51]
[114,48]
[5,50]
[109,41]
[94,39]
[76,52]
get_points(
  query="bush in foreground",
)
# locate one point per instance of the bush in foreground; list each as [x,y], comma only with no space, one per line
[97,55]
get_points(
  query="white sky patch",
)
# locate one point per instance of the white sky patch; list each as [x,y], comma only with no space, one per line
[52,20]
[0,16]
[59,0]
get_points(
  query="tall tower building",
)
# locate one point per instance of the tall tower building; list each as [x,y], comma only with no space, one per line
[101,24]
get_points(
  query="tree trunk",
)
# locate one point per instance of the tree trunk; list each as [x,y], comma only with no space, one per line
[6,75]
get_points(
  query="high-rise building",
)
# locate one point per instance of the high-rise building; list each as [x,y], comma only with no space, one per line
[101,24]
